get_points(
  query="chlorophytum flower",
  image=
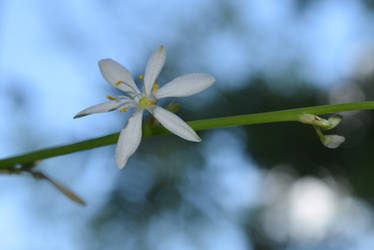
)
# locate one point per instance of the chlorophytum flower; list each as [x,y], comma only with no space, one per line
[131,134]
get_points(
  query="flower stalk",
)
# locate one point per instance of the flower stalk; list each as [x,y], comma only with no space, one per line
[207,124]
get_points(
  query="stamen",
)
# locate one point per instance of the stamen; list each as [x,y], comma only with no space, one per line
[145,103]
[155,87]
[111,97]
[141,77]
[117,83]
[124,110]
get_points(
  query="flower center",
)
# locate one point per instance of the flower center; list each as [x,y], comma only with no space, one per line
[144,102]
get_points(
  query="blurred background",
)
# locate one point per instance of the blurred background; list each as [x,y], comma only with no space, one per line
[268,186]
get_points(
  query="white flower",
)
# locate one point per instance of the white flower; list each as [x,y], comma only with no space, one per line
[131,134]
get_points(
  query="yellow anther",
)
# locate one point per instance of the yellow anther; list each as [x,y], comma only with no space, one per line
[155,87]
[117,83]
[124,110]
[141,76]
[111,97]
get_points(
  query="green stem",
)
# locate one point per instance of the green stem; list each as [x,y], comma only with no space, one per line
[148,131]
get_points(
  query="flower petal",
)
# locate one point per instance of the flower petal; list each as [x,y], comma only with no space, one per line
[153,69]
[118,76]
[185,85]
[174,124]
[106,107]
[129,138]
[333,141]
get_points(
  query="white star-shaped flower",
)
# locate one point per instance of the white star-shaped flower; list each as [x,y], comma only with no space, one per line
[131,134]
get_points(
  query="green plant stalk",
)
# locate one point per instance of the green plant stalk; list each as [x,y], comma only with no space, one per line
[148,131]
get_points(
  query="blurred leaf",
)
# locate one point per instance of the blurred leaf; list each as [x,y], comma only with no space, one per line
[68,193]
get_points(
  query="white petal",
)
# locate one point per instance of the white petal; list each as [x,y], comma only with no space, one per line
[129,138]
[334,121]
[114,72]
[106,107]
[153,69]
[333,141]
[185,85]
[174,124]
